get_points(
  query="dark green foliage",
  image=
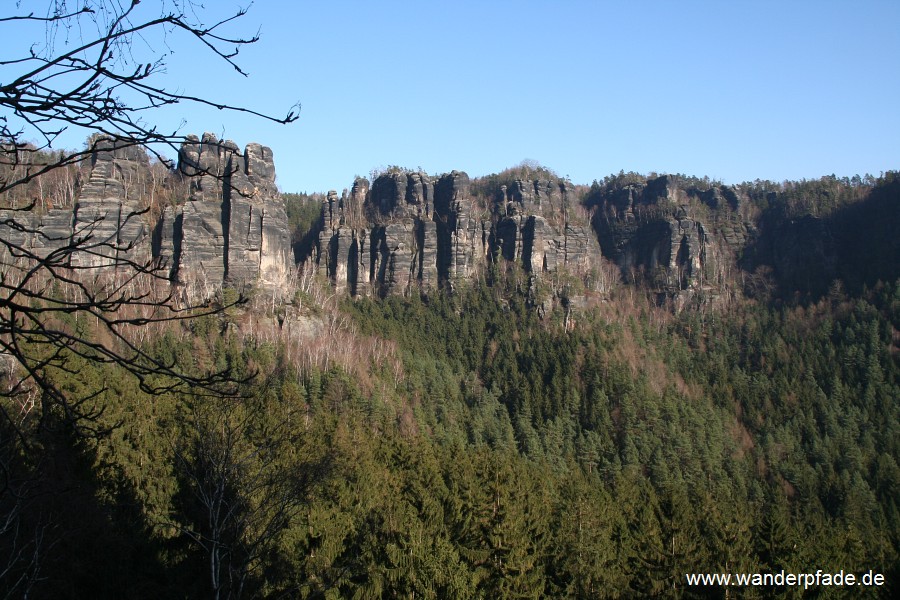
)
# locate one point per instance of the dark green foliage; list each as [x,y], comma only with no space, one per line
[815,233]
[488,187]
[304,213]
[510,458]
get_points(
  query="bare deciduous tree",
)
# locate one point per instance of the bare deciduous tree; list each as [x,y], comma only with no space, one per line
[100,84]
[238,497]
[45,92]
[98,69]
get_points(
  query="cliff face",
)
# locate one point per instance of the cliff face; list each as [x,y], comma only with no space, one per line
[232,229]
[411,231]
[105,224]
[688,241]
[677,241]
[537,225]
[395,236]
[407,232]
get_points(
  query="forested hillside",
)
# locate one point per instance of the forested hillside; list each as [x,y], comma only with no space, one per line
[480,443]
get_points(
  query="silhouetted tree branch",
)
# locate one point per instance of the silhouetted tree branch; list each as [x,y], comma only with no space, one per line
[105,83]
[237,497]
[89,297]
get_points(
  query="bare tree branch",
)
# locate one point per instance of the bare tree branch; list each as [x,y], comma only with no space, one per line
[88,296]
[78,88]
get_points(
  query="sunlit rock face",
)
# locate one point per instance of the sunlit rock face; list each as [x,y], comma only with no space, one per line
[412,232]
[105,227]
[233,228]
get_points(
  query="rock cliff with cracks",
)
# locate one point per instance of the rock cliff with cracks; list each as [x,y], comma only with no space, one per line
[232,230]
[410,231]
[106,226]
[680,242]
[687,240]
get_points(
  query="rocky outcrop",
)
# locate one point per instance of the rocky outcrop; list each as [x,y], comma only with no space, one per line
[426,233]
[108,210]
[231,230]
[107,226]
[30,232]
[408,232]
[340,246]
[462,229]
[540,229]
[661,234]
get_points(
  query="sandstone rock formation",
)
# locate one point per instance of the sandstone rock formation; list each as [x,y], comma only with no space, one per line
[107,213]
[106,226]
[463,229]
[231,230]
[659,233]
[413,232]
[234,227]
[408,232]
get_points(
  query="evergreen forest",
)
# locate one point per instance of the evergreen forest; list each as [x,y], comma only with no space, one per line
[464,444]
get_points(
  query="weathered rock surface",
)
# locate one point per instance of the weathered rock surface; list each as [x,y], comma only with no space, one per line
[655,233]
[232,230]
[408,232]
[106,226]
[234,227]
[426,233]
[107,211]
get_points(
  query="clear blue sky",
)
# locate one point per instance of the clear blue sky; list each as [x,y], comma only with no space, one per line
[733,90]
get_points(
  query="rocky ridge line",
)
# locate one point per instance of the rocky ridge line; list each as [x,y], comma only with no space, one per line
[232,230]
[412,232]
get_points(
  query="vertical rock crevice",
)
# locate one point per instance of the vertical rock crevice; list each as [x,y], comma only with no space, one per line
[234,225]
[429,233]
